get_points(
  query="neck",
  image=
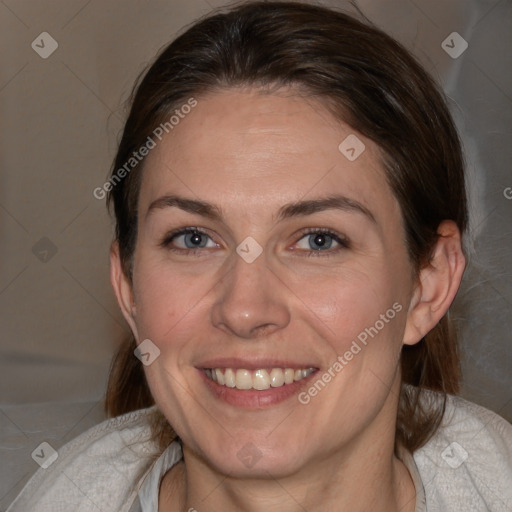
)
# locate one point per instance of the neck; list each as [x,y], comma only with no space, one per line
[383,489]
[363,476]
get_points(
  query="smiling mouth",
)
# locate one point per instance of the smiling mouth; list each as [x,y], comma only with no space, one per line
[260,380]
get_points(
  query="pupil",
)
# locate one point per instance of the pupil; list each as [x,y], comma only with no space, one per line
[196,239]
[320,240]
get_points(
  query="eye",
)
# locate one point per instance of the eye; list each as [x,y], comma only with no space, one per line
[313,242]
[187,240]
[322,240]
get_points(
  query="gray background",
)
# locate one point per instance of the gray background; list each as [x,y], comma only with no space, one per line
[60,120]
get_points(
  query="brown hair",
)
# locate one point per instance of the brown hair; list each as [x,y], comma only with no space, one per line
[366,79]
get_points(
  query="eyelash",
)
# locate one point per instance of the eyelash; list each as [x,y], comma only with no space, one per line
[340,239]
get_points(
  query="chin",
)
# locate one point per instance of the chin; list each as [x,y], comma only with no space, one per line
[248,459]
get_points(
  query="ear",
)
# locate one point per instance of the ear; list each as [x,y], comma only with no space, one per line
[437,284]
[122,288]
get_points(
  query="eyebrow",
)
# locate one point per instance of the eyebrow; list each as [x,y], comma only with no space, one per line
[297,209]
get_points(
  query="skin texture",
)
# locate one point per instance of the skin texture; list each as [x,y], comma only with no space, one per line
[251,153]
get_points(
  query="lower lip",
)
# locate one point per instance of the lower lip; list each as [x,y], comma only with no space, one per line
[252,398]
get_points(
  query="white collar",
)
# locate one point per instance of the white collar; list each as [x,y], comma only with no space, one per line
[409,462]
[148,492]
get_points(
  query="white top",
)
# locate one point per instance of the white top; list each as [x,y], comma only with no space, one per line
[115,467]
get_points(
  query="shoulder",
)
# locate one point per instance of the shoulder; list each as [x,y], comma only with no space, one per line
[98,470]
[467,464]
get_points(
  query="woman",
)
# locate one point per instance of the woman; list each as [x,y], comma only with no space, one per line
[290,204]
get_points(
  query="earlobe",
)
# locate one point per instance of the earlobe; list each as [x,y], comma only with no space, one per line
[437,285]
[122,288]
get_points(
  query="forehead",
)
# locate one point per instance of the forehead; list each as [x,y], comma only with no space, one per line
[250,151]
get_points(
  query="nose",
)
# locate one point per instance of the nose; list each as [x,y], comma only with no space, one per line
[250,301]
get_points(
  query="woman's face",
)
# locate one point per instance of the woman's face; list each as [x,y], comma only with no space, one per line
[278,282]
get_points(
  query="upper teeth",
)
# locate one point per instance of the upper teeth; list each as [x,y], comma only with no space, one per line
[256,379]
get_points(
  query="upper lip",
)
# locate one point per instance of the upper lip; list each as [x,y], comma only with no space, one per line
[253,363]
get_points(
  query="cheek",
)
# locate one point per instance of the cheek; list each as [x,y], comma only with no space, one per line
[165,300]
[362,306]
